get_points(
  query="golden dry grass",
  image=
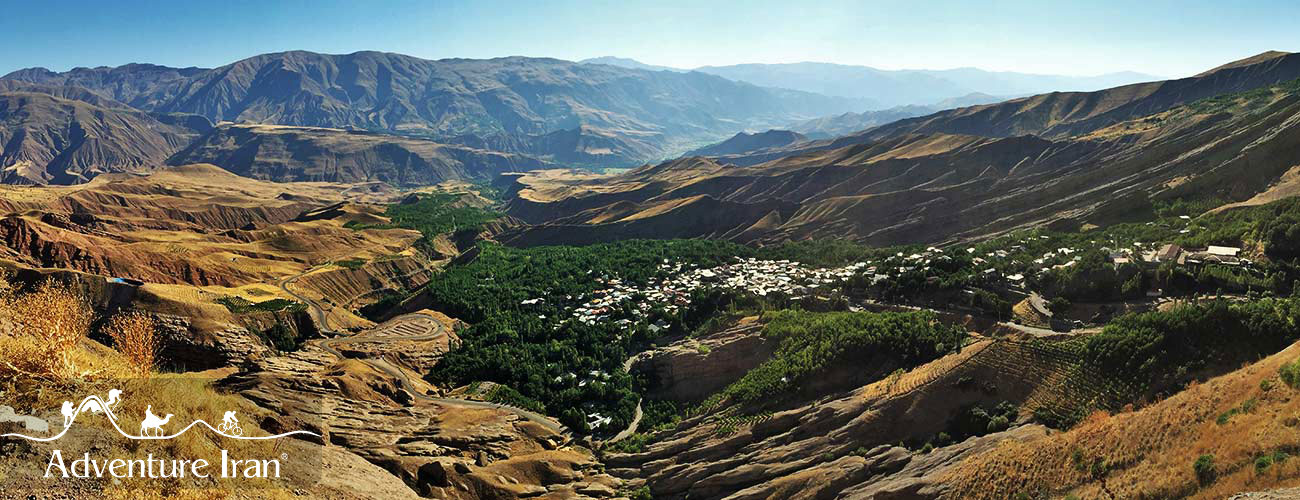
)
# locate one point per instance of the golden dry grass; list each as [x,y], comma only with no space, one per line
[41,370]
[134,335]
[1149,453]
[53,320]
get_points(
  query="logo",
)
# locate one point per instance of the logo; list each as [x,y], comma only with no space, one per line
[154,426]
[151,428]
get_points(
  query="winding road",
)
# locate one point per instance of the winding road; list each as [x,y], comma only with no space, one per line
[636,417]
[378,333]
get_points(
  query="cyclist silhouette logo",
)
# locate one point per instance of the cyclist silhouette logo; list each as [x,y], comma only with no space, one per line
[230,425]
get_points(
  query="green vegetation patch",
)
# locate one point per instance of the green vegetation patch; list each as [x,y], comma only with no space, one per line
[501,394]
[1155,348]
[240,305]
[1290,374]
[353,263]
[656,415]
[1248,101]
[973,421]
[281,337]
[433,214]
[810,343]
[536,346]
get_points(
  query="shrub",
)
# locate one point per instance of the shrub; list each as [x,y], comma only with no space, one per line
[54,318]
[1262,463]
[134,335]
[353,263]
[998,424]
[642,493]
[1204,469]
[1265,385]
[240,305]
[1058,306]
[636,443]
[1152,350]
[1291,374]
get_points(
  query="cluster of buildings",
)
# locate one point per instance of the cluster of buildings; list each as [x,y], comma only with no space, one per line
[762,277]
[1212,254]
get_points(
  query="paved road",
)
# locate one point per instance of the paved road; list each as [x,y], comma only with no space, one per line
[636,417]
[376,334]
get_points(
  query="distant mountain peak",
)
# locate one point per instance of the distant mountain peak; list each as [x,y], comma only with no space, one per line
[1255,59]
[749,142]
[624,62]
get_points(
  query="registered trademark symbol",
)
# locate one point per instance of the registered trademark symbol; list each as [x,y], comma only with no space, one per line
[284,456]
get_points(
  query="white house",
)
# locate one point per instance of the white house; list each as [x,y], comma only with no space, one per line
[1222,251]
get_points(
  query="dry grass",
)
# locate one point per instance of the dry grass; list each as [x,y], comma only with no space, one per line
[38,371]
[1149,453]
[53,319]
[134,335]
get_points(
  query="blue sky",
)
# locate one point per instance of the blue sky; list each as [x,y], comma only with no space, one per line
[1166,38]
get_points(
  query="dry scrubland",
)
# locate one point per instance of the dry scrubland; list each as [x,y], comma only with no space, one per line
[46,358]
[1149,453]
[195,224]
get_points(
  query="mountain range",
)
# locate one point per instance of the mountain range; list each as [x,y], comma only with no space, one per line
[890,88]
[548,108]
[1060,158]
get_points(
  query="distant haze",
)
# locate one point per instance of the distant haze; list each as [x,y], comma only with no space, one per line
[889,88]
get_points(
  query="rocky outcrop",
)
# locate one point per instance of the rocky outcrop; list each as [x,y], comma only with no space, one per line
[438,449]
[187,348]
[694,369]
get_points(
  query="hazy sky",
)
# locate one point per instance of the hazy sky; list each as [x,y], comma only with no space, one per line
[1166,38]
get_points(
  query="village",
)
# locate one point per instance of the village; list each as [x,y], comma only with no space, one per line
[762,277]
[1005,270]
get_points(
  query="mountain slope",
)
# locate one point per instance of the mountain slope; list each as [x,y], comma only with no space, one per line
[1062,114]
[292,154]
[522,97]
[48,139]
[746,142]
[899,187]
[834,126]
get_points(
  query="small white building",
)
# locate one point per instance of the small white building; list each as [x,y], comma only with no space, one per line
[1222,251]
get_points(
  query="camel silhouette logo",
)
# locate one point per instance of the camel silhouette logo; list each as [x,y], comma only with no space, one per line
[151,426]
